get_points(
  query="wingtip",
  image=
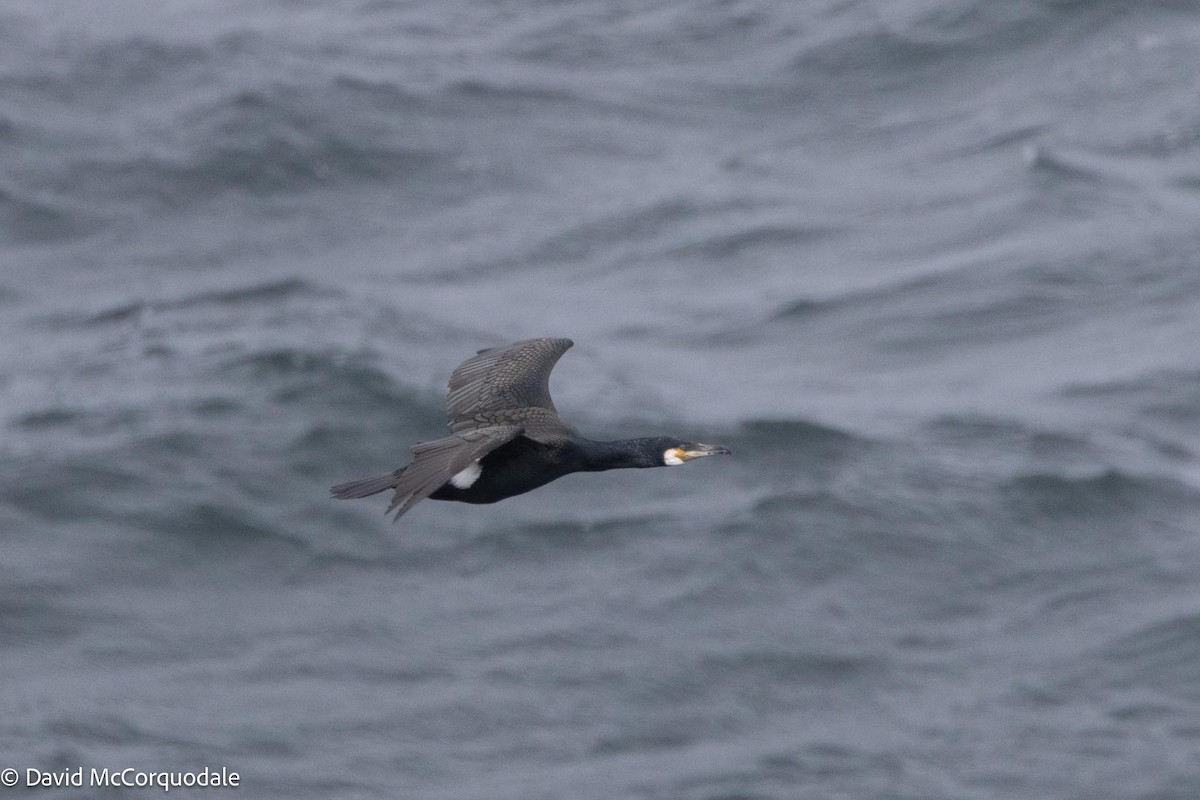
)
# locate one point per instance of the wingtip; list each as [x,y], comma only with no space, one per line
[568,343]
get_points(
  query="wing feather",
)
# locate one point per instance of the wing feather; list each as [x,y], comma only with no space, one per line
[435,462]
[516,376]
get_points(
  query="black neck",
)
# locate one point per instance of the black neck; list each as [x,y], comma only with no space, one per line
[621,454]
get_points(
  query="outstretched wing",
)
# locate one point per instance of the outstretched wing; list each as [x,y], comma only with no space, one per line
[502,378]
[435,462]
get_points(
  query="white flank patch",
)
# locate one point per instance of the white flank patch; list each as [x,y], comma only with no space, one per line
[468,476]
[670,459]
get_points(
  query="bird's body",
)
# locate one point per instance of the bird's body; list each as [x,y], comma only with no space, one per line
[511,469]
[507,438]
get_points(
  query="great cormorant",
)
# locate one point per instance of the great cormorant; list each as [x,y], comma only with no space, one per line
[507,438]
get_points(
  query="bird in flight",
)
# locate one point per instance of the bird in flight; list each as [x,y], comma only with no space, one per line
[507,438]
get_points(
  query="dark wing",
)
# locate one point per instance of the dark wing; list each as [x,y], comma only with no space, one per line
[501,379]
[434,463]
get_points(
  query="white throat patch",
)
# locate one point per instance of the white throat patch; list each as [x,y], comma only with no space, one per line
[468,476]
[670,459]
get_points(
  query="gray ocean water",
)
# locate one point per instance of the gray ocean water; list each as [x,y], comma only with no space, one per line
[928,268]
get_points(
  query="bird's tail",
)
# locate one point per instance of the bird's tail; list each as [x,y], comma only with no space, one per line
[365,487]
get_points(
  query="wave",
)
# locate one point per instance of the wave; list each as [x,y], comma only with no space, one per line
[210,523]
[267,292]
[815,504]
[883,297]
[264,142]
[1172,394]
[822,441]
[57,491]
[773,667]
[1147,671]
[903,44]
[511,95]
[994,301]
[25,219]
[892,58]
[1074,166]
[751,237]
[331,368]
[797,448]
[261,133]
[29,618]
[350,413]
[985,433]
[655,220]
[766,677]
[1164,655]
[1109,494]
[564,537]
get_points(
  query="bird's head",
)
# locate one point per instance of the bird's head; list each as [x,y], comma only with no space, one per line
[674,452]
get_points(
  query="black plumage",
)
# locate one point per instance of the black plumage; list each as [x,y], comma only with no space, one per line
[507,438]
